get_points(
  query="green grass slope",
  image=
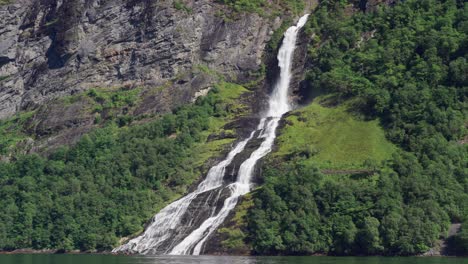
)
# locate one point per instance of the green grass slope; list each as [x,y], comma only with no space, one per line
[332,138]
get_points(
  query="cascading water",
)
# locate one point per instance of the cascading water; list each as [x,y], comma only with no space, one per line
[173,230]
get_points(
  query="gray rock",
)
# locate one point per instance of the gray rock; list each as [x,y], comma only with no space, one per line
[53,48]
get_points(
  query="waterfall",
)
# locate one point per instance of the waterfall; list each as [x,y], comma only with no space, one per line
[173,230]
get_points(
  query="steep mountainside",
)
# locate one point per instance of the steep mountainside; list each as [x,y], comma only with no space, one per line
[162,53]
[53,48]
[119,73]
[111,110]
[335,185]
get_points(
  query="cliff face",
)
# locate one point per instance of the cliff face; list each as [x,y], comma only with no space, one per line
[51,48]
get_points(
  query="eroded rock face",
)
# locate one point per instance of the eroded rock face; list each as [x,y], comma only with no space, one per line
[51,48]
[300,86]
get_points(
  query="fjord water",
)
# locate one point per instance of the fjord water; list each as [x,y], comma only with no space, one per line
[177,231]
[110,259]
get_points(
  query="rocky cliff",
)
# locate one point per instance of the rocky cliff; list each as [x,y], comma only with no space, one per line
[51,48]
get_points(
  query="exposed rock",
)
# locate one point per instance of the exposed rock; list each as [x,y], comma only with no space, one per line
[56,117]
[365,36]
[442,247]
[57,124]
[222,135]
[243,126]
[214,246]
[464,140]
[173,93]
[299,62]
[202,92]
[53,48]
[299,85]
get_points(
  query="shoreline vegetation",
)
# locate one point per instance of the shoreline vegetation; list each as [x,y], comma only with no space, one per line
[28,251]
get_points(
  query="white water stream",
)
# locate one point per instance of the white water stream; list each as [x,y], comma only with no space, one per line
[166,222]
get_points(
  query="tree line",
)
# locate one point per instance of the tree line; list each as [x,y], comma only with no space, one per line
[405,65]
[107,186]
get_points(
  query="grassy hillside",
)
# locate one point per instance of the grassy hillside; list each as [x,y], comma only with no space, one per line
[333,138]
[230,94]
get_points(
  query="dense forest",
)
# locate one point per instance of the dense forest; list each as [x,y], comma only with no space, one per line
[111,182]
[406,66]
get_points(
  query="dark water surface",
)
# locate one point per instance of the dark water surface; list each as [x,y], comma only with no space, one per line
[109,259]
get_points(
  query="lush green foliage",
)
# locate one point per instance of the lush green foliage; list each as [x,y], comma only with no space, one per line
[112,104]
[405,65]
[332,138]
[245,5]
[234,232]
[109,184]
[260,6]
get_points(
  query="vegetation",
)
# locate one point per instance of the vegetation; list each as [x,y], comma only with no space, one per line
[401,69]
[111,104]
[5,2]
[109,99]
[404,66]
[234,232]
[259,6]
[107,185]
[246,5]
[275,40]
[12,131]
[332,138]
[180,5]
